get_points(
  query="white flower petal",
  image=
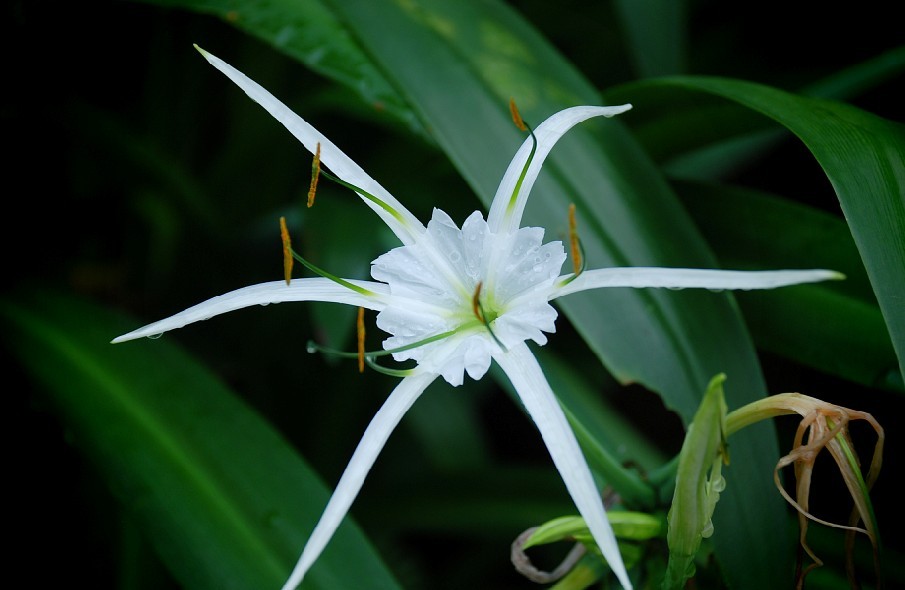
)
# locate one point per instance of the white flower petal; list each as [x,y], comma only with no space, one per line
[692,278]
[474,245]
[406,226]
[501,218]
[523,262]
[541,404]
[441,268]
[409,325]
[528,321]
[313,289]
[370,445]
[410,275]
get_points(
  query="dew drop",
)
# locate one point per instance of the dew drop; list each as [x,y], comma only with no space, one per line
[155,336]
[455,256]
[537,268]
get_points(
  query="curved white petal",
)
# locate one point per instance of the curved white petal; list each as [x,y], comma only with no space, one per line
[501,217]
[370,445]
[692,278]
[406,227]
[526,322]
[543,407]
[313,289]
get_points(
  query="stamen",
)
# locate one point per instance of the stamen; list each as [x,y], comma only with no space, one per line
[287,251]
[367,195]
[577,260]
[315,174]
[361,339]
[516,116]
[522,125]
[332,277]
[313,347]
[476,303]
[577,250]
[478,310]
[387,370]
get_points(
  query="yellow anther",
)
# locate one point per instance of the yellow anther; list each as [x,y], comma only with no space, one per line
[476,303]
[516,116]
[573,241]
[287,251]
[360,325]
[315,174]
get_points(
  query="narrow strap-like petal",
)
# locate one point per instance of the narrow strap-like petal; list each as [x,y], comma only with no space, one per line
[502,218]
[543,407]
[692,278]
[370,445]
[406,226]
[313,289]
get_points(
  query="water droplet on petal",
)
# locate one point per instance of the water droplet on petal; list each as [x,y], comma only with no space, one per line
[155,336]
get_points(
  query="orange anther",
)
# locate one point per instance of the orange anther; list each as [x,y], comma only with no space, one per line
[573,241]
[315,174]
[287,251]
[360,325]
[516,116]
[476,303]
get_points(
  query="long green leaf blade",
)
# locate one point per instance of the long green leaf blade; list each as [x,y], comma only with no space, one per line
[862,155]
[223,498]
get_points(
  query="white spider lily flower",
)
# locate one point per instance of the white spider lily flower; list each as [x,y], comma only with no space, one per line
[453,299]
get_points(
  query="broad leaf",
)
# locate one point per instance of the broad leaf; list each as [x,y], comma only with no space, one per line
[223,498]
[862,155]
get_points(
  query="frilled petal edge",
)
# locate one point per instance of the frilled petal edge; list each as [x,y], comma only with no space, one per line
[692,278]
[541,404]
[313,289]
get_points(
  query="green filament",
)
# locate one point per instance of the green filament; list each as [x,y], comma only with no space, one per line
[367,195]
[581,267]
[332,277]
[518,185]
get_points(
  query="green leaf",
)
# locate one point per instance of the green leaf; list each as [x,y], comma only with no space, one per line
[750,229]
[655,30]
[310,32]
[862,155]
[707,150]
[222,497]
